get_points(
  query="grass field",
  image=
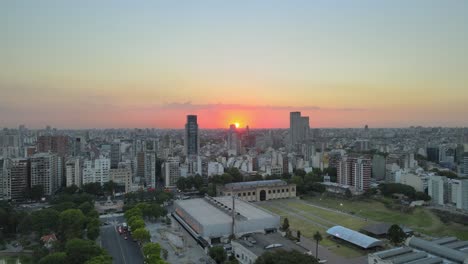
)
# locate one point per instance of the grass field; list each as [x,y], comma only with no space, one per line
[421,219]
[320,213]
[305,224]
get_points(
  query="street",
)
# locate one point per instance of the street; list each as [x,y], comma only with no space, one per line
[122,251]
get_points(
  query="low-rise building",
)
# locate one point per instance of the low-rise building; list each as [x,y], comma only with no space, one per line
[254,191]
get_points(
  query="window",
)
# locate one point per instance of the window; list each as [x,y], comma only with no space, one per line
[243,194]
[248,193]
[239,194]
[282,190]
[292,189]
[274,191]
[253,193]
[269,191]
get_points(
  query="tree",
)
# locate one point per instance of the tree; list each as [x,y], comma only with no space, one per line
[285,257]
[197,182]
[181,183]
[152,253]
[37,192]
[45,220]
[396,235]
[93,188]
[86,207]
[218,254]
[109,187]
[348,194]
[101,259]
[137,224]
[317,237]
[71,224]
[79,251]
[54,258]
[141,235]
[71,189]
[285,226]
[92,229]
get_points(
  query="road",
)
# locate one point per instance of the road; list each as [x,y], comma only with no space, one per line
[122,251]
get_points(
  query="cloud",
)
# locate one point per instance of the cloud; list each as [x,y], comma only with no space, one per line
[189,106]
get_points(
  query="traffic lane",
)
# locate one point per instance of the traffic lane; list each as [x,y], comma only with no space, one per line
[122,251]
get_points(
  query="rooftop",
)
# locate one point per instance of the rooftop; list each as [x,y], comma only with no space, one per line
[262,240]
[216,210]
[354,237]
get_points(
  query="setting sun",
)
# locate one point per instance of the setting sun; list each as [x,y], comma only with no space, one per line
[236,124]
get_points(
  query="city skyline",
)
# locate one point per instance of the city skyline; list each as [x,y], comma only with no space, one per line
[149,64]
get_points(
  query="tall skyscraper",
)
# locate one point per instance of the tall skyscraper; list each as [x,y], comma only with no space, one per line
[192,142]
[5,180]
[96,170]
[298,128]
[115,155]
[19,173]
[45,172]
[233,141]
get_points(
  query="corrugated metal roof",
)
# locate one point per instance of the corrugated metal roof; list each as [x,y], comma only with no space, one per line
[354,237]
[251,184]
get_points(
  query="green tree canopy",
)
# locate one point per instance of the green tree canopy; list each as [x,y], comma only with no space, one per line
[79,251]
[141,234]
[54,258]
[285,257]
[218,254]
[396,235]
[71,223]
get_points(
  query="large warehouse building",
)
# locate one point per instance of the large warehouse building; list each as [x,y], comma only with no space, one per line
[254,191]
[210,219]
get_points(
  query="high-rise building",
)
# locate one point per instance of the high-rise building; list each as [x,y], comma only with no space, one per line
[433,154]
[122,176]
[437,189]
[233,143]
[378,167]
[298,128]
[465,163]
[96,170]
[192,141]
[45,172]
[5,180]
[150,169]
[171,171]
[355,172]
[19,173]
[73,169]
[54,144]
[115,155]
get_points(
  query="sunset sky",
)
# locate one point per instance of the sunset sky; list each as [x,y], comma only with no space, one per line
[84,64]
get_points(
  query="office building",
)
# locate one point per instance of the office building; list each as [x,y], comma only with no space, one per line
[378,167]
[45,172]
[150,169]
[298,128]
[233,144]
[436,189]
[115,155]
[192,141]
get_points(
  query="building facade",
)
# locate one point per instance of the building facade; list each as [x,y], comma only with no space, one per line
[19,174]
[45,172]
[192,142]
[171,171]
[73,169]
[259,190]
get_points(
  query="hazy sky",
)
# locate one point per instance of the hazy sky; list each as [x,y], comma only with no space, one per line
[81,64]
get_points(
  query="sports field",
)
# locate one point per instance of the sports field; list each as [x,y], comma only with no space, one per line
[320,213]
